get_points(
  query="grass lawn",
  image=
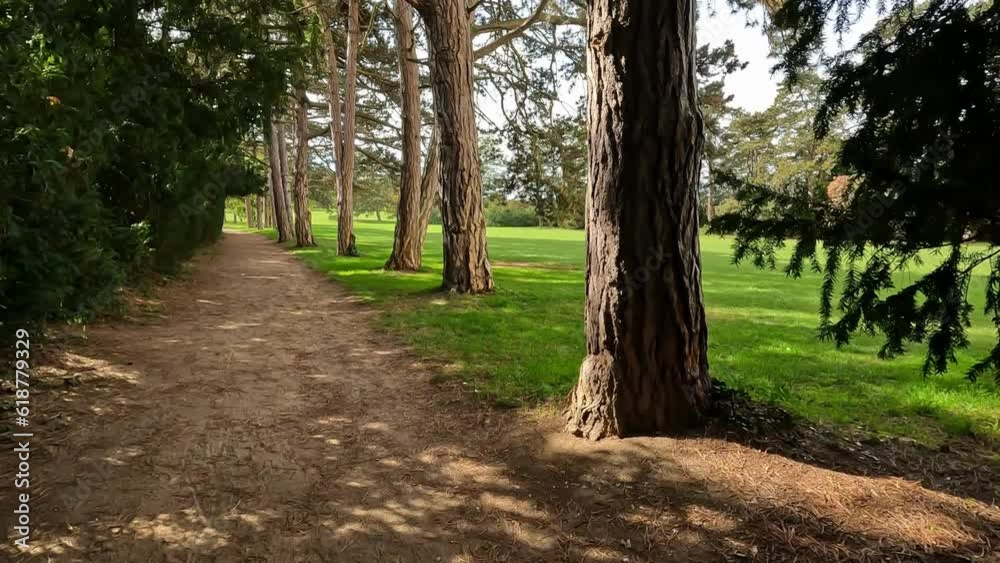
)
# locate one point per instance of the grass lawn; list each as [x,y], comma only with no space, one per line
[525,343]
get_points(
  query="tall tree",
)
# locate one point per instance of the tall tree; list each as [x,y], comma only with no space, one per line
[333,93]
[283,168]
[646,369]
[346,243]
[714,66]
[407,246]
[501,23]
[466,262]
[303,216]
[343,116]
[282,218]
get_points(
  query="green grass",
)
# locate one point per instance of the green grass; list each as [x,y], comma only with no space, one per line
[525,343]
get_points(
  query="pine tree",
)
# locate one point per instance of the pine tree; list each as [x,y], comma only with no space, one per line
[923,91]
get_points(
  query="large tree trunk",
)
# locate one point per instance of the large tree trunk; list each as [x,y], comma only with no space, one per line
[248,205]
[303,217]
[274,157]
[346,242]
[466,263]
[646,369]
[407,245]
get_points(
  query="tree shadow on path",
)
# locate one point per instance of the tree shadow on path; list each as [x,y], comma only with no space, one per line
[266,421]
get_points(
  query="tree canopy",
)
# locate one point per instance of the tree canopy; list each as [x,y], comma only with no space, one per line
[921,96]
[124,126]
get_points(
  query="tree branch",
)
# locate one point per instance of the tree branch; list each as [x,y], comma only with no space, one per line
[514,33]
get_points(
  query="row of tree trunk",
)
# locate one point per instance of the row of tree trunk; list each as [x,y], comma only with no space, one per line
[343,117]
[452,168]
[280,200]
[277,170]
[303,216]
[646,369]
[342,130]
[260,210]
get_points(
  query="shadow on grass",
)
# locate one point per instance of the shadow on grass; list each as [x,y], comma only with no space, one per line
[224,433]
[524,343]
[361,479]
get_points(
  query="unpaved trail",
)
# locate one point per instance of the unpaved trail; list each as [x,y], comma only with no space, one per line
[257,417]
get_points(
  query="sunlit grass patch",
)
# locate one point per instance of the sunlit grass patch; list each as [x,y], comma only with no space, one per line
[525,342]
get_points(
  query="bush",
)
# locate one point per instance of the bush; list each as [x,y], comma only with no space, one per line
[117,156]
[728,206]
[506,214]
[511,214]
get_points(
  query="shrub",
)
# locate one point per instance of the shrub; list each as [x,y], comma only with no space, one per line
[511,214]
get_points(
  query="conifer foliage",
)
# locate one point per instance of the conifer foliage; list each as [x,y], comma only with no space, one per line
[923,93]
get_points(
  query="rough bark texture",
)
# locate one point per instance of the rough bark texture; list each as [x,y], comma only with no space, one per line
[646,371]
[466,263]
[303,217]
[267,200]
[248,204]
[406,249]
[333,100]
[283,161]
[258,201]
[407,245]
[346,245]
[282,220]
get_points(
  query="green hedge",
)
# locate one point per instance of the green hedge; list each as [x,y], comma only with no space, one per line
[117,155]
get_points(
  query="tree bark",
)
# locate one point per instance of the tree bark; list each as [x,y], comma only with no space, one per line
[334,104]
[283,161]
[466,262]
[267,199]
[346,242]
[303,217]
[646,370]
[274,156]
[407,248]
[248,205]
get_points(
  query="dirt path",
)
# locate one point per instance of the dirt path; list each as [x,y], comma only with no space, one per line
[260,418]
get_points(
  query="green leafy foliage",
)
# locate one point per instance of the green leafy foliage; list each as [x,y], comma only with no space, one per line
[922,91]
[119,143]
[524,342]
[511,214]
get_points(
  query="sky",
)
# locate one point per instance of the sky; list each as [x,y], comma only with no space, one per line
[755,87]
